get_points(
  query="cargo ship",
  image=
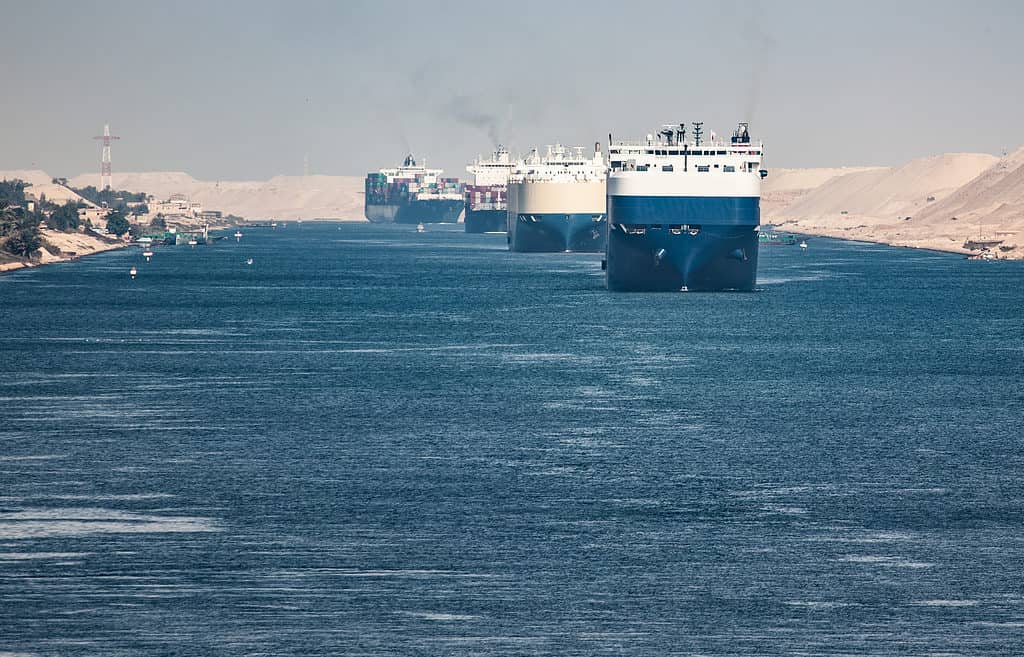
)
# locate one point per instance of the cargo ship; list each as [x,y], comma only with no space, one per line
[556,202]
[683,213]
[486,207]
[412,194]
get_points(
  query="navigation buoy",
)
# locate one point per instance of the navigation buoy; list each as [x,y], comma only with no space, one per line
[133,272]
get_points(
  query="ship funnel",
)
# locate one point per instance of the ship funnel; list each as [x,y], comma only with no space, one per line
[597,148]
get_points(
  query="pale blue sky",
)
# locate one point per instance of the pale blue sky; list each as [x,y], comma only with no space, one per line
[243,90]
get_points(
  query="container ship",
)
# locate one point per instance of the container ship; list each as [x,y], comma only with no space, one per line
[486,207]
[683,213]
[556,202]
[412,194]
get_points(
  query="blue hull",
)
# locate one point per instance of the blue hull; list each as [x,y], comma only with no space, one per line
[553,233]
[667,244]
[486,221]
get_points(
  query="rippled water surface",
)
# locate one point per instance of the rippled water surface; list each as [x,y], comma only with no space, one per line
[374,442]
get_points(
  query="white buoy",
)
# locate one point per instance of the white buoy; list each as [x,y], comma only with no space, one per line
[133,272]
[803,244]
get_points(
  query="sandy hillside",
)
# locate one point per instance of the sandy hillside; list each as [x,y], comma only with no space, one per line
[913,205]
[784,187]
[42,185]
[889,193]
[990,207]
[281,197]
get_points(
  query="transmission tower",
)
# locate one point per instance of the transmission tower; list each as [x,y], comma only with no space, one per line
[105,179]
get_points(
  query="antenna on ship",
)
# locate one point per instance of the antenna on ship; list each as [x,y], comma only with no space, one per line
[698,132]
[742,134]
[681,133]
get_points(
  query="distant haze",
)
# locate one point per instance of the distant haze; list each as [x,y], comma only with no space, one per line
[245,90]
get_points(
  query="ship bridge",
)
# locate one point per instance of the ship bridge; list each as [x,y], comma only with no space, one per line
[561,164]
[670,151]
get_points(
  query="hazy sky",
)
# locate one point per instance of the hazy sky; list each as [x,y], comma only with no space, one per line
[244,90]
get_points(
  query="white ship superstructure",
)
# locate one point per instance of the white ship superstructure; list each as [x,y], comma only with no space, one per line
[556,201]
[486,196]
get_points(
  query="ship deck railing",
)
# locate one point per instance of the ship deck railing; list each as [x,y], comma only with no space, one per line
[644,145]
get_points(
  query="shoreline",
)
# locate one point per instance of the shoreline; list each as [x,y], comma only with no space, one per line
[81,244]
[937,243]
[79,240]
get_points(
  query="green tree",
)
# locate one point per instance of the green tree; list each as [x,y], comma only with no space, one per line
[65,217]
[117,223]
[159,222]
[12,192]
[19,228]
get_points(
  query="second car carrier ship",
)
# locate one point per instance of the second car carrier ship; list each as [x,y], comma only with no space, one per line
[556,202]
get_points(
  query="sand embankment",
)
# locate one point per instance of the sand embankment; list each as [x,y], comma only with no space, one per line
[338,198]
[41,184]
[69,246]
[783,187]
[942,202]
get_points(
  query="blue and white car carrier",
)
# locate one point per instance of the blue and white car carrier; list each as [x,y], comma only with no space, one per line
[683,214]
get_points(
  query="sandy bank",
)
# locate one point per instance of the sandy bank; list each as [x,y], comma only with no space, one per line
[71,246]
[949,202]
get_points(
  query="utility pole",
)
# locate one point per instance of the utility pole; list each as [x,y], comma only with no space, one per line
[106,182]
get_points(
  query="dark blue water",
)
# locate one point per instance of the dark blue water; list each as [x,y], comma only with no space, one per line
[374,442]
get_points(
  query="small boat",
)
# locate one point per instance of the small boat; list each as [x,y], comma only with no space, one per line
[273,224]
[420,228]
[773,238]
[147,254]
[249,261]
[133,272]
[238,236]
[803,244]
[192,242]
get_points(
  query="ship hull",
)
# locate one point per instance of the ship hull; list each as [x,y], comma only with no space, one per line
[486,221]
[416,212]
[381,214]
[682,243]
[552,233]
[551,217]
